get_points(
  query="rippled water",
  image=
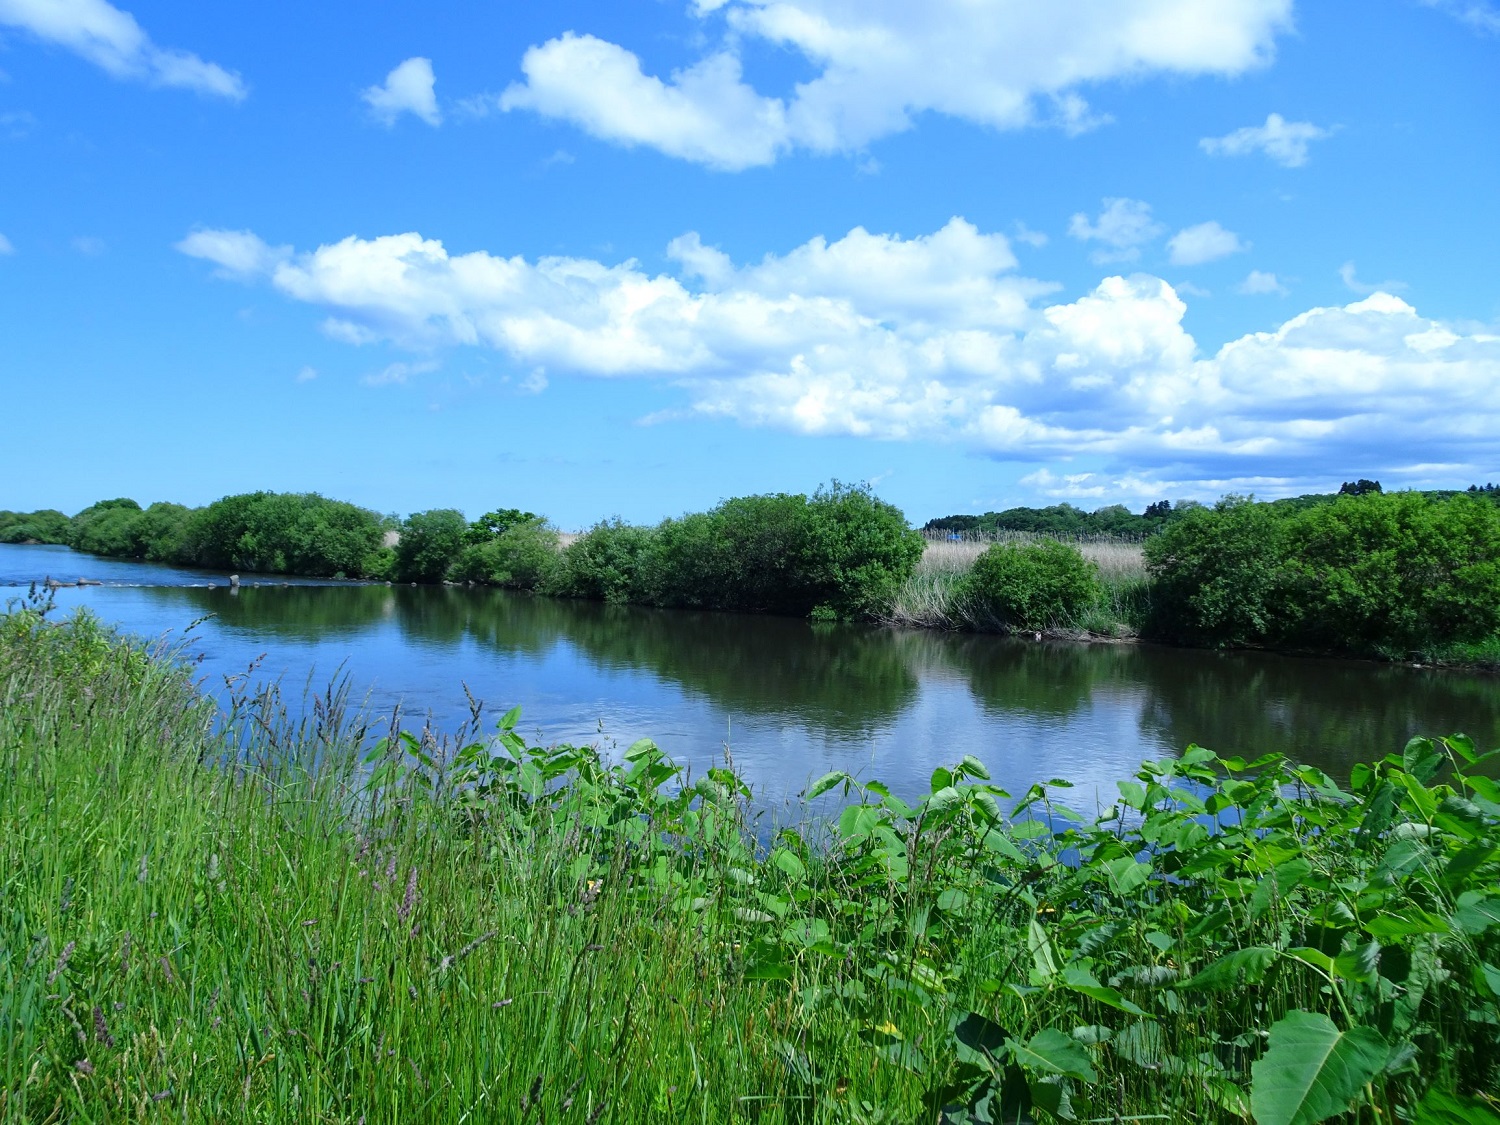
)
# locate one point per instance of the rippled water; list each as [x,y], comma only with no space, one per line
[791,700]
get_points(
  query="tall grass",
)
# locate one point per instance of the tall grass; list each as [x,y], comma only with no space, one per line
[236,918]
[932,597]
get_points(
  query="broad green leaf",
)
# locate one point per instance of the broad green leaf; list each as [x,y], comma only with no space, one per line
[1250,964]
[789,863]
[1444,1107]
[1311,1071]
[1422,759]
[1054,1052]
[1406,923]
[973,767]
[510,718]
[1477,912]
[1084,983]
[1043,957]
[825,783]
[943,800]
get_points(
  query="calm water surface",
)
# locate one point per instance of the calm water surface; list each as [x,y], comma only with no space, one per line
[791,700]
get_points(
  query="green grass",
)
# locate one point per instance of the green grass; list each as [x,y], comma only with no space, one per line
[242,919]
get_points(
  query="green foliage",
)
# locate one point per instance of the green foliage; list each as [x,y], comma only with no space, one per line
[1041,585]
[604,564]
[1062,520]
[841,552]
[1215,574]
[430,544]
[329,931]
[1393,572]
[283,533]
[45,526]
[522,556]
[493,524]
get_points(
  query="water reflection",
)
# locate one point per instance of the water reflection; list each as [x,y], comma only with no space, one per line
[800,698]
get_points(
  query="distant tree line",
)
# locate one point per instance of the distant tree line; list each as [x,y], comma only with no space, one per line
[1360,571]
[1066,521]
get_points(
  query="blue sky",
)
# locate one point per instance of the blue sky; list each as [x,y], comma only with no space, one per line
[631,258]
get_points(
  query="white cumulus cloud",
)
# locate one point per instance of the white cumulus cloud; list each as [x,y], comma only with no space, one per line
[932,338]
[1283,141]
[112,40]
[1002,64]
[408,88]
[1206,242]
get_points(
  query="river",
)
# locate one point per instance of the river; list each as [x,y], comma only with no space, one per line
[789,700]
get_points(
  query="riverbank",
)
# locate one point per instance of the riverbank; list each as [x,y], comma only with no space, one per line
[439,932]
[1404,576]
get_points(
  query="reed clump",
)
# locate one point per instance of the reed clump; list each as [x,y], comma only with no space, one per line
[231,916]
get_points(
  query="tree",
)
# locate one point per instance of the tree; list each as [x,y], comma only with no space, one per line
[430,544]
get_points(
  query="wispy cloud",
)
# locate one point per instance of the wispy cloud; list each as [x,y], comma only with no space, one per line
[1206,242]
[1478,14]
[1283,141]
[1124,226]
[1355,285]
[399,372]
[112,40]
[1259,282]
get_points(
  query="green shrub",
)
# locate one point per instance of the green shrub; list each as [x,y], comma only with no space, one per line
[1041,585]
[47,525]
[111,529]
[841,552]
[604,564]
[430,544]
[282,533]
[1362,573]
[1217,574]
[522,556]
[1393,571]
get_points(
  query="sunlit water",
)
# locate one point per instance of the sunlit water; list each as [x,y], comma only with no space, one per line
[790,700]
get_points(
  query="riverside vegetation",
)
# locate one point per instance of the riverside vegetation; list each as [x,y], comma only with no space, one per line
[228,916]
[1403,575]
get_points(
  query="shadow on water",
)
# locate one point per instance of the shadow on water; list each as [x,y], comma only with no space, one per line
[1331,713]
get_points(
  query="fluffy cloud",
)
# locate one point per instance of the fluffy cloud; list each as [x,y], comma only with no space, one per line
[932,338]
[112,40]
[409,88]
[1005,65]
[1124,226]
[1206,242]
[1283,141]
[5,246]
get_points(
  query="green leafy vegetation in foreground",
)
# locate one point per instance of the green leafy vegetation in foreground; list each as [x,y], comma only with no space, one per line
[243,920]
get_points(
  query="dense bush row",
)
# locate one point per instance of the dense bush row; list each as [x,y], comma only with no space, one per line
[1394,573]
[839,553]
[266,532]
[1360,572]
